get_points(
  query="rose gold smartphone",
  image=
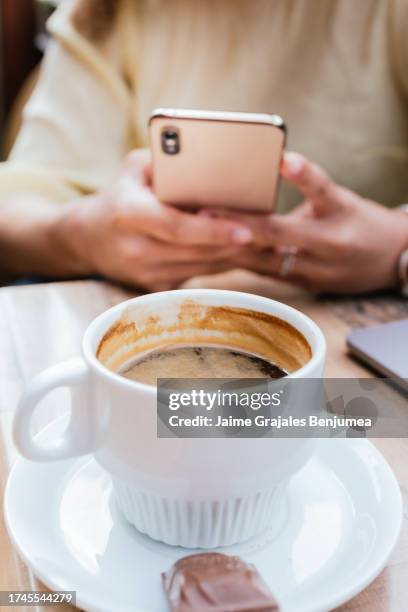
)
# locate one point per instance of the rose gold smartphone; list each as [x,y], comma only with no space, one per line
[211,158]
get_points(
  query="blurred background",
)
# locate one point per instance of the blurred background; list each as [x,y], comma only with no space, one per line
[23,41]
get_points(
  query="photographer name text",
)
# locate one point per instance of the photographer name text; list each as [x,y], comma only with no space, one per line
[278,422]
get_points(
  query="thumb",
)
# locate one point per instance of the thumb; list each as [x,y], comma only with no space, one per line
[312,181]
[138,164]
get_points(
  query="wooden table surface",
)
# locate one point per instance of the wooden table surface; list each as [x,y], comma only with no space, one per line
[43,324]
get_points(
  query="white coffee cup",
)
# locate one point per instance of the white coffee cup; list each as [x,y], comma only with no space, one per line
[205,492]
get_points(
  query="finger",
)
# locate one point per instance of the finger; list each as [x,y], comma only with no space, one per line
[306,270]
[138,163]
[180,254]
[152,251]
[189,228]
[312,181]
[292,229]
[299,228]
[173,226]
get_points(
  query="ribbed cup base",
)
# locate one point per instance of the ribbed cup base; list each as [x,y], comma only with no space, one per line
[199,524]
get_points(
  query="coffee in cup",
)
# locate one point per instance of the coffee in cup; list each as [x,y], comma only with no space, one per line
[200,362]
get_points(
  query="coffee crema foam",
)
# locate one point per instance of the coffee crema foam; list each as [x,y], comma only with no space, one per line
[149,326]
[199,362]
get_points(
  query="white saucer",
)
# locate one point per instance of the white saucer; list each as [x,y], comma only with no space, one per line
[343,520]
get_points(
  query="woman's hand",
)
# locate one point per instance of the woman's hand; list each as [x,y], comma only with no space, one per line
[334,241]
[125,233]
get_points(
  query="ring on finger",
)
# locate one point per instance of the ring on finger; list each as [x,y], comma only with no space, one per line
[288,263]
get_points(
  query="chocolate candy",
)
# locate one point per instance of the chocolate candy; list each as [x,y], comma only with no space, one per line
[217,583]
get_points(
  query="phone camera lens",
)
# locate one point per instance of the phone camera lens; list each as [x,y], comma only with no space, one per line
[170,141]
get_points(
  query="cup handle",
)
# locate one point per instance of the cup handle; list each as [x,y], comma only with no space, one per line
[81,435]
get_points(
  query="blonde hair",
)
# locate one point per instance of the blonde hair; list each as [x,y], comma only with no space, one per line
[94,18]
